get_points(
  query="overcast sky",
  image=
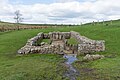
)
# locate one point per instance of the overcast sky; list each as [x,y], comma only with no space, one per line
[60,11]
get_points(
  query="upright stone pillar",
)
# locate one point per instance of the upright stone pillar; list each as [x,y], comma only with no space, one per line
[60,36]
[56,36]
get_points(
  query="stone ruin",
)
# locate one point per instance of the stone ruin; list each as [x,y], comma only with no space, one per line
[59,44]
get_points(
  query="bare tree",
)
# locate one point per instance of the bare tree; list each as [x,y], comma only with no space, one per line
[18,17]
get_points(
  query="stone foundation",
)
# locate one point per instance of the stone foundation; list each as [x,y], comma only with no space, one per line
[59,44]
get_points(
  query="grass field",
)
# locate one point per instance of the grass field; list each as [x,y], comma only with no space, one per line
[50,66]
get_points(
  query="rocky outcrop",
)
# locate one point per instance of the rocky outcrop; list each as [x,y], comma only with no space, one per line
[89,57]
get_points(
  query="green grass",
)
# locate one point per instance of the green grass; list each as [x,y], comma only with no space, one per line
[49,67]
[46,41]
[72,41]
[43,40]
[31,67]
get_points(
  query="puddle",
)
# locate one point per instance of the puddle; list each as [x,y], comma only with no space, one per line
[70,58]
[72,72]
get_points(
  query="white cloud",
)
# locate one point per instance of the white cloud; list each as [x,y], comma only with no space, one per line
[63,1]
[114,17]
[70,11]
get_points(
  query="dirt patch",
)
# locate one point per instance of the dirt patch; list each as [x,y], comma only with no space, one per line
[85,71]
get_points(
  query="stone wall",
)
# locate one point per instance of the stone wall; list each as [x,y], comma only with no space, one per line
[22,27]
[43,48]
[59,35]
[30,44]
[55,49]
[87,45]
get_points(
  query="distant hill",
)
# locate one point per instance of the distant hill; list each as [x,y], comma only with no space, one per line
[4,26]
[117,22]
[106,23]
[23,24]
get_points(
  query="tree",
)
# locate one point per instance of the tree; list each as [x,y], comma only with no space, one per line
[18,17]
